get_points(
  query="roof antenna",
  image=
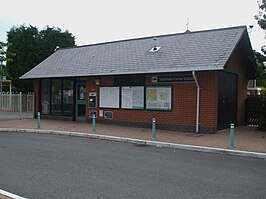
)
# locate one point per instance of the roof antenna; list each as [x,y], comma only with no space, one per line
[56,48]
[187,24]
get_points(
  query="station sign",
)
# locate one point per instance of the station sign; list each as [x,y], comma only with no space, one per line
[6,82]
[166,79]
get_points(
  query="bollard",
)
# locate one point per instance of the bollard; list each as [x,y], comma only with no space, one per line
[39,121]
[93,124]
[153,131]
[232,136]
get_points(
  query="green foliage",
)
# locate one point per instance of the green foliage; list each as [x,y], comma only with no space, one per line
[31,47]
[260,59]
[261,18]
[4,55]
[262,125]
[2,51]
[50,38]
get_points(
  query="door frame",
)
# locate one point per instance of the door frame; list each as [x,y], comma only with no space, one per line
[79,101]
[223,121]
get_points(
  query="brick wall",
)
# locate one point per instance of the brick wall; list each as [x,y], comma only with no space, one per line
[209,98]
[183,114]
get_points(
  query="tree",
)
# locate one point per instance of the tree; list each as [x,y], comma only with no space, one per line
[261,19]
[261,16]
[24,40]
[4,55]
[50,38]
[3,59]
[31,47]
[3,52]
[260,60]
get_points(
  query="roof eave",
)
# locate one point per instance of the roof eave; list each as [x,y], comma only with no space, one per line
[121,73]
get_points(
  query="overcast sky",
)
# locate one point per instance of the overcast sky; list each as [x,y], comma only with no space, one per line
[94,21]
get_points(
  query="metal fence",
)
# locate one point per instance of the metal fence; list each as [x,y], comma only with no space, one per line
[253,110]
[16,106]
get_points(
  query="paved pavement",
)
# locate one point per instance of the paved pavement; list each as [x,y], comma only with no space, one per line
[50,166]
[7,195]
[15,115]
[246,138]
[4,197]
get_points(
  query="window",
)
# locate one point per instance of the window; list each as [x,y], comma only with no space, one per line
[45,96]
[57,97]
[81,92]
[68,99]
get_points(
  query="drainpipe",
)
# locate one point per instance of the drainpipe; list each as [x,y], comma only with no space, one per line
[198,100]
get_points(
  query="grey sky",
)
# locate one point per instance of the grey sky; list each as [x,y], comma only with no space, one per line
[94,21]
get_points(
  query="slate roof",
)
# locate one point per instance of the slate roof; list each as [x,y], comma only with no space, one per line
[198,51]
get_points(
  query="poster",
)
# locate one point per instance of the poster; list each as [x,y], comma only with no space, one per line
[109,97]
[159,97]
[133,97]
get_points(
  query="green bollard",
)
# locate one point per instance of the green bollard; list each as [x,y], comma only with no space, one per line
[153,131]
[232,136]
[38,120]
[93,124]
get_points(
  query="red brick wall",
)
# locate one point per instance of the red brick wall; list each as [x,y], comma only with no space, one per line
[184,97]
[208,82]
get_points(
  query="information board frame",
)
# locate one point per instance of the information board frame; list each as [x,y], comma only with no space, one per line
[111,95]
[127,93]
[168,103]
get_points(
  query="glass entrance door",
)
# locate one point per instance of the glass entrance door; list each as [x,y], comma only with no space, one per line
[81,101]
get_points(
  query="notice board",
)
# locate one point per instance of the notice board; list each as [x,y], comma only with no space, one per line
[133,97]
[159,97]
[109,97]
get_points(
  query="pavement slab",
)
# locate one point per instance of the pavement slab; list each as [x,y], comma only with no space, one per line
[246,138]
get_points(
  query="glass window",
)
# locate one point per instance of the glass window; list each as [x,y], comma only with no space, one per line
[68,99]
[46,96]
[56,97]
[82,92]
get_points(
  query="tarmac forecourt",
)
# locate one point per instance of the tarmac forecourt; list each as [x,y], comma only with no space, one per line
[144,142]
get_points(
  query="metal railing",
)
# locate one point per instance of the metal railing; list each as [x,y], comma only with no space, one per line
[16,106]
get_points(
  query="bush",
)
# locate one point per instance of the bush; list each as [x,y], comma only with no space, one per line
[262,125]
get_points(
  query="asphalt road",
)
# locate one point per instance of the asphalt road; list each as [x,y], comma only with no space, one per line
[49,166]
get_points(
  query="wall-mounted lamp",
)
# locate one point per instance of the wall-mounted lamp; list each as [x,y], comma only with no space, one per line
[97,81]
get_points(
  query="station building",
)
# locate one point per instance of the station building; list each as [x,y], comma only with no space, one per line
[192,81]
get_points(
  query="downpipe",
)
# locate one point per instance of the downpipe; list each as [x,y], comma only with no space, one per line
[198,100]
